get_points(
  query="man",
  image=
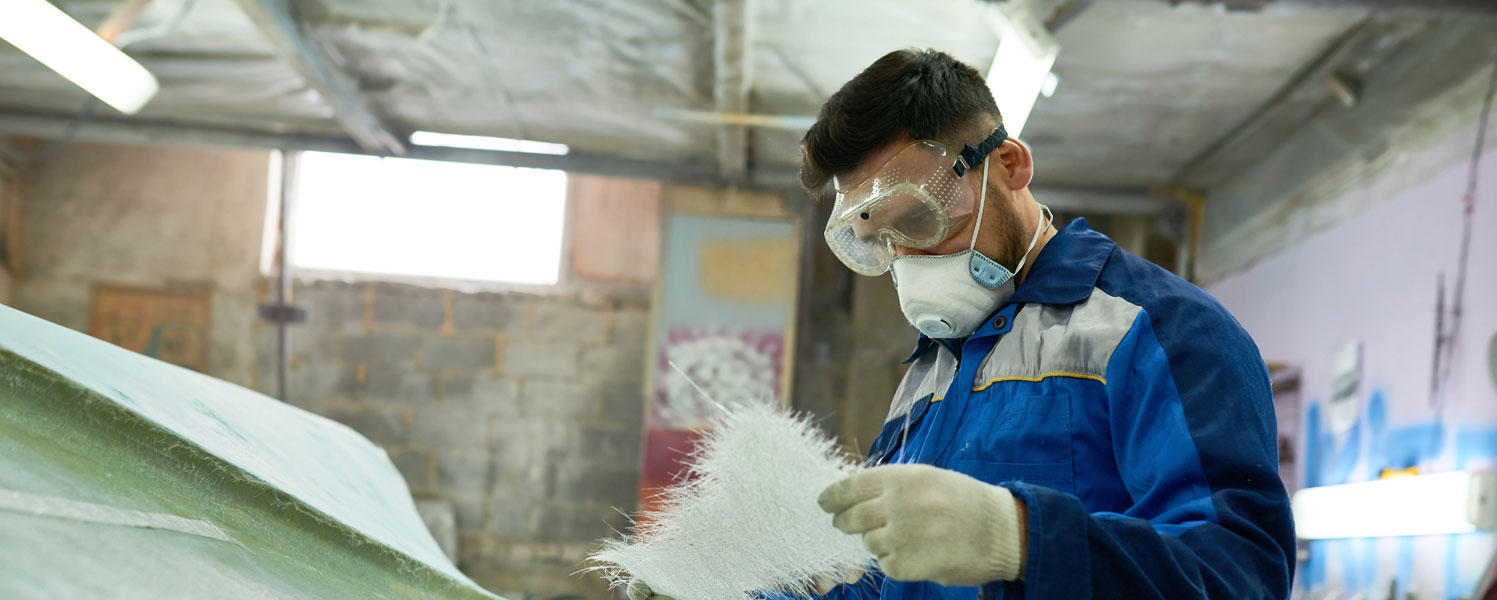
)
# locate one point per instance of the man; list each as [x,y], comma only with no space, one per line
[1076,422]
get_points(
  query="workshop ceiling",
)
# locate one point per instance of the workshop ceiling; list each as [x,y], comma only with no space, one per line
[1146,86]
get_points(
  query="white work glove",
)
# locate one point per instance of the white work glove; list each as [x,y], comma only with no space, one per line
[930,524]
[637,590]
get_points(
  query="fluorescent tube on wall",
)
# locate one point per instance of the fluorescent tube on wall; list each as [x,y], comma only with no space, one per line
[64,45]
[1446,503]
[480,142]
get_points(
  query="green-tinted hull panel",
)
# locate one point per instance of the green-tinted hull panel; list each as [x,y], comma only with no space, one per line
[124,477]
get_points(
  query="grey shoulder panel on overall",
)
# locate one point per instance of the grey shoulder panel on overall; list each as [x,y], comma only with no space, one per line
[1045,340]
[1073,340]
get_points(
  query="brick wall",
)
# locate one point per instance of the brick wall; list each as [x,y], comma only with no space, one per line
[522,412]
[176,218]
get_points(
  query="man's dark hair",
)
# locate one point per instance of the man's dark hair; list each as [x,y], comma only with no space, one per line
[921,94]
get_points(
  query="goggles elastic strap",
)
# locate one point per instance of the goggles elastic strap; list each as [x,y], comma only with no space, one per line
[972,156]
[982,202]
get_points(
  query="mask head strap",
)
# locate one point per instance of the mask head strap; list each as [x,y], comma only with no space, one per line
[972,156]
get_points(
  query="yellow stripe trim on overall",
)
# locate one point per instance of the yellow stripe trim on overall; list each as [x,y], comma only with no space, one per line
[1042,378]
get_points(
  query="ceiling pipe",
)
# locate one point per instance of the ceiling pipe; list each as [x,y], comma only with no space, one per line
[279,22]
[732,41]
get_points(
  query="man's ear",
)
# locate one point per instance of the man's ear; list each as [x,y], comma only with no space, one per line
[1017,163]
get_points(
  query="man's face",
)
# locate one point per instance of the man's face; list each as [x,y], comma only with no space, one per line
[1002,235]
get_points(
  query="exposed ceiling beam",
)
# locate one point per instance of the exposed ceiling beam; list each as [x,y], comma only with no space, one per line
[1316,68]
[732,42]
[1065,13]
[1412,7]
[134,131]
[1366,43]
[277,19]
[1428,90]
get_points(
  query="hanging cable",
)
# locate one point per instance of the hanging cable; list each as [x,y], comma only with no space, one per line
[1445,334]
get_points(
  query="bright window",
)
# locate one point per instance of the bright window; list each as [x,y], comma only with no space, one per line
[421,218]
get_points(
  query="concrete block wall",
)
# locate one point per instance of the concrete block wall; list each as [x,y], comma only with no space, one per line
[523,412]
[10,214]
[175,218]
[12,174]
[9,217]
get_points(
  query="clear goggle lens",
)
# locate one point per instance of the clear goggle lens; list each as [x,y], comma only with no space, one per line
[914,200]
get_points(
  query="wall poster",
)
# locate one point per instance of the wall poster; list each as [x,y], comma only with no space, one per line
[724,315]
[170,325]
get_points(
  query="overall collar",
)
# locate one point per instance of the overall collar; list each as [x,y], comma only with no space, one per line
[1067,268]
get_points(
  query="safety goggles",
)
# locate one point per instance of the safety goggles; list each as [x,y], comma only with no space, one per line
[914,200]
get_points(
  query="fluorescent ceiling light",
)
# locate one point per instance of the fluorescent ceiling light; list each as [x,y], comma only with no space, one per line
[49,35]
[1457,502]
[480,142]
[1021,67]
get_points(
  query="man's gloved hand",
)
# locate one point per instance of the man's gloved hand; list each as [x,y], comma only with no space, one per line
[637,590]
[930,524]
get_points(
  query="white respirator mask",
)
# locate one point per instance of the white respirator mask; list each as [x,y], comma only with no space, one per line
[950,296]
